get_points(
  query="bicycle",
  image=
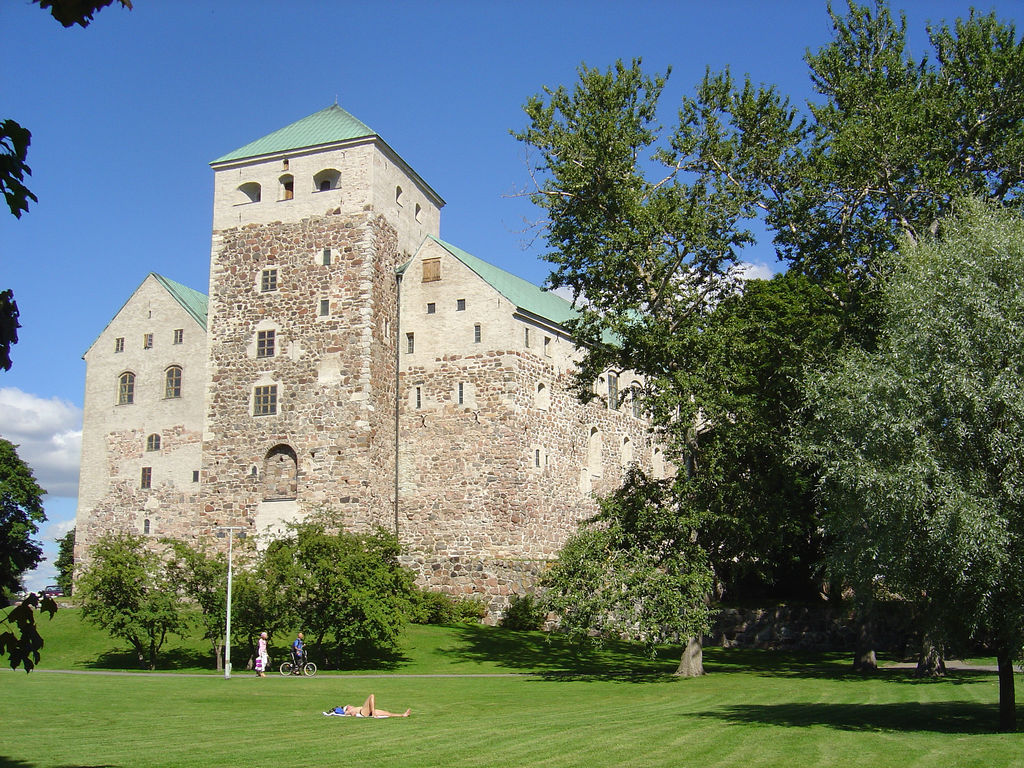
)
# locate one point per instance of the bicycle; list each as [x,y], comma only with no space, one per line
[299,669]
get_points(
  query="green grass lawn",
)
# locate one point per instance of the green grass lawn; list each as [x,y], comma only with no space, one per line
[608,708]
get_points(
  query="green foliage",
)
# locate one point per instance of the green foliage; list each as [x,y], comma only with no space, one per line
[524,612]
[21,641]
[127,590]
[635,570]
[65,562]
[920,444]
[21,512]
[430,607]
[202,578]
[344,587]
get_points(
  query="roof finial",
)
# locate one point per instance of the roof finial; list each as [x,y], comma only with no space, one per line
[335,99]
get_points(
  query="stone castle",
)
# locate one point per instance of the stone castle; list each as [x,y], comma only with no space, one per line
[348,359]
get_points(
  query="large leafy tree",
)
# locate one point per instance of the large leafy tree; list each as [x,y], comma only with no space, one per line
[127,590]
[202,577]
[645,225]
[920,443]
[21,513]
[342,587]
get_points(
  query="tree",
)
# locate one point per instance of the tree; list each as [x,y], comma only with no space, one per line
[65,562]
[644,226]
[342,586]
[919,444]
[635,570]
[203,579]
[126,589]
[21,513]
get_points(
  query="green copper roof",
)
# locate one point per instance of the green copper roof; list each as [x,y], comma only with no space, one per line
[328,126]
[520,292]
[193,302]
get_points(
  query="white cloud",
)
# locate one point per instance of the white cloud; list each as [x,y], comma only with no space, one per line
[48,433]
[750,271]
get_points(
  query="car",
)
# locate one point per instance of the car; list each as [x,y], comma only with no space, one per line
[53,591]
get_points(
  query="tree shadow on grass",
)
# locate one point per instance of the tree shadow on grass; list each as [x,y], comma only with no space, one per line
[172,659]
[11,762]
[952,717]
[363,659]
[834,665]
[555,657]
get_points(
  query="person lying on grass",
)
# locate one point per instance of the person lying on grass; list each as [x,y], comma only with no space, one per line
[369,709]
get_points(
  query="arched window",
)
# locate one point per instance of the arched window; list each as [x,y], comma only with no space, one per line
[658,464]
[594,450]
[634,397]
[280,474]
[250,192]
[153,442]
[126,388]
[398,195]
[419,213]
[542,398]
[172,382]
[287,187]
[627,452]
[326,180]
[146,527]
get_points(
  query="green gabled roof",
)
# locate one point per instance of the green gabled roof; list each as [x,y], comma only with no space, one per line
[520,292]
[328,126]
[192,301]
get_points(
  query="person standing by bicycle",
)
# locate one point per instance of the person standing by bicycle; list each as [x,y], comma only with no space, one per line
[299,651]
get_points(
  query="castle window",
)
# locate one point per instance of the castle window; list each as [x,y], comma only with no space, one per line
[460,305]
[547,346]
[398,196]
[265,343]
[627,452]
[145,526]
[280,474]
[284,164]
[147,341]
[526,337]
[536,457]
[287,187]
[153,443]
[325,257]
[658,464]
[326,180]
[251,192]
[264,401]
[419,213]
[542,398]
[462,393]
[431,270]
[594,452]
[634,395]
[126,389]
[195,475]
[179,335]
[119,344]
[613,391]
[476,333]
[325,307]
[410,343]
[172,382]
[419,397]
[146,480]
[431,308]
[268,280]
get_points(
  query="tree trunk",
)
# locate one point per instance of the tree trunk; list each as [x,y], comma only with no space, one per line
[1007,700]
[218,654]
[930,661]
[864,655]
[691,664]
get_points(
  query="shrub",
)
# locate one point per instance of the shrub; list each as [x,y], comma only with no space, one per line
[524,612]
[429,607]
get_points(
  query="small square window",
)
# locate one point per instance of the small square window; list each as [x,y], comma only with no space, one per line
[147,341]
[195,475]
[268,280]
[431,308]
[325,307]
[146,481]
[431,270]
[179,335]
[119,344]
[264,401]
[265,343]
[476,333]
[325,257]
[410,343]
[460,305]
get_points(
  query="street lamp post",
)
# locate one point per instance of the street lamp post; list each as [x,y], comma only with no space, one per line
[229,531]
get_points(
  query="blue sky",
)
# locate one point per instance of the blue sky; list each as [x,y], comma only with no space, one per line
[127,114]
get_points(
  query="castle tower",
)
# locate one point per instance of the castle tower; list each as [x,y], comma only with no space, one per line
[310,224]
